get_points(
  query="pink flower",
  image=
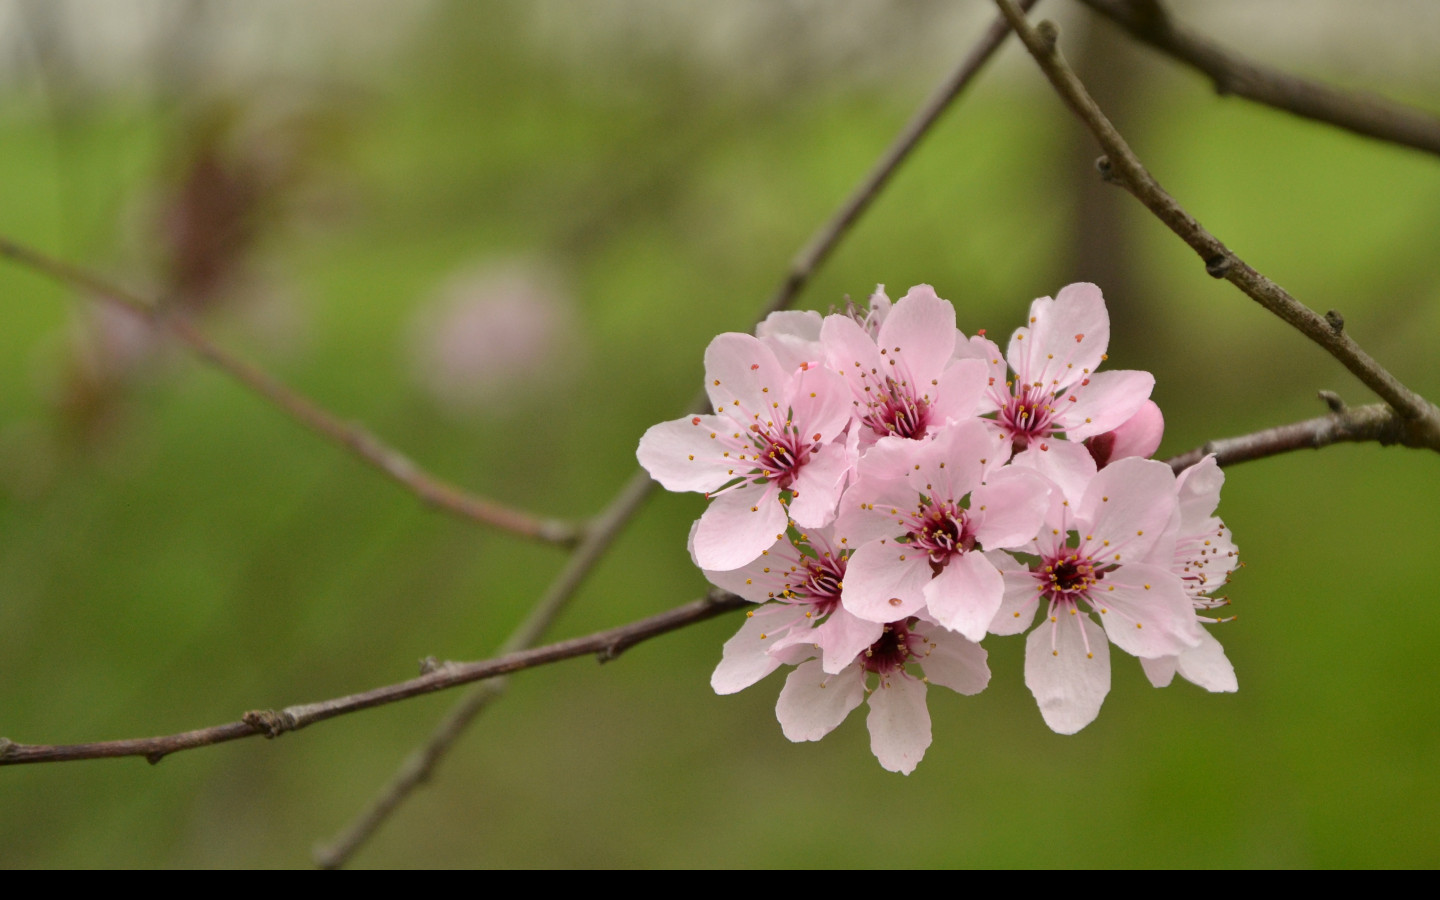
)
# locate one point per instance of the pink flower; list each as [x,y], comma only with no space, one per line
[904,379]
[1093,561]
[922,515]
[1056,389]
[1139,435]
[767,454]
[801,591]
[813,703]
[1204,557]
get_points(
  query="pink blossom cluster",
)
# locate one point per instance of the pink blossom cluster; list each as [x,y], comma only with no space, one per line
[892,492]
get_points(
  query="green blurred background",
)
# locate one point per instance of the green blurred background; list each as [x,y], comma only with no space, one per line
[501,235]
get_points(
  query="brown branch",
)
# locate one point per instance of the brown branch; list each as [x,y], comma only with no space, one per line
[431,490]
[1364,114]
[272,723]
[1121,167]
[1376,422]
[420,765]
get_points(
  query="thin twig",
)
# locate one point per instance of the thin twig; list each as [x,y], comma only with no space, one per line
[431,490]
[421,763]
[1376,422]
[272,723]
[1363,114]
[1121,167]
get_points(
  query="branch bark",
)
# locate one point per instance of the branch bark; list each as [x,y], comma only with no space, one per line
[606,645]
[1365,114]
[370,449]
[1376,422]
[1121,166]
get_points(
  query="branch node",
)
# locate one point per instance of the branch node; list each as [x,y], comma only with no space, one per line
[154,758]
[1217,266]
[1333,401]
[1335,321]
[1106,170]
[269,722]
[429,664]
[5,745]
[1049,34]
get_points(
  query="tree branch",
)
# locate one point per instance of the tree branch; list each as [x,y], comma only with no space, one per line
[272,723]
[431,490]
[1376,422]
[1121,167]
[421,763]
[1364,114]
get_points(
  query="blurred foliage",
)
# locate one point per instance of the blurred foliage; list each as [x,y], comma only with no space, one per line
[199,555]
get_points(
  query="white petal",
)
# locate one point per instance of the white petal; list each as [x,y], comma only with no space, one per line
[1146,611]
[842,637]
[1160,671]
[886,581]
[685,454]
[966,595]
[1129,504]
[793,335]
[738,526]
[746,658]
[957,664]
[739,369]
[918,335]
[1017,606]
[1208,667]
[1107,402]
[817,487]
[1010,508]
[899,723]
[812,703]
[1068,677]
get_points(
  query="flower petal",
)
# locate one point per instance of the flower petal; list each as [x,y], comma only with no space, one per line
[1068,671]
[794,337]
[957,664]
[1208,667]
[918,335]
[842,637]
[899,723]
[1108,401]
[746,658]
[812,703]
[685,454]
[738,526]
[1065,340]
[1146,611]
[885,581]
[966,595]
[742,376]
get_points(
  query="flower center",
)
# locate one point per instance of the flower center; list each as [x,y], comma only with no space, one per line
[823,580]
[1069,578]
[1027,415]
[943,530]
[895,648]
[780,455]
[892,408]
